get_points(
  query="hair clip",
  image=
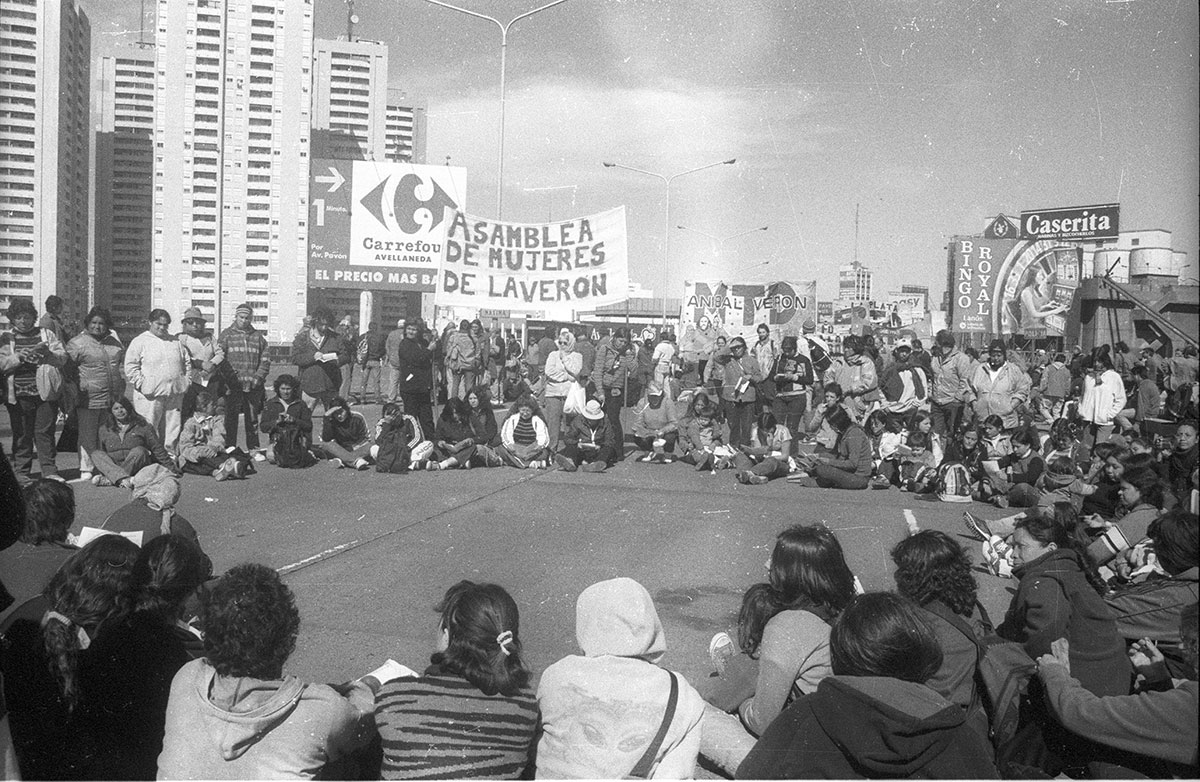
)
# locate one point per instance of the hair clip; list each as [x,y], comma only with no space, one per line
[505,639]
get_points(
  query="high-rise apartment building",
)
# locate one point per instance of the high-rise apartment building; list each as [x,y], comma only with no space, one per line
[854,283]
[233,83]
[405,128]
[123,229]
[349,99]
[45,61]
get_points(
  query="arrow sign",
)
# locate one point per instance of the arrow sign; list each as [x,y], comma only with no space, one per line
[337,180]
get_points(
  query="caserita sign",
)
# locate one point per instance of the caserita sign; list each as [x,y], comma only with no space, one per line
[1100,221]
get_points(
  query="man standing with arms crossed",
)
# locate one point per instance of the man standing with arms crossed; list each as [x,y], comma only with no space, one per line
[244,350]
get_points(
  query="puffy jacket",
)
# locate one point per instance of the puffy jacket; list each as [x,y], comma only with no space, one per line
[246,354]
[951,378]
[99,362]
[157,367]
[1056,381]
[462,353]
[274,408]
[732,370]
[999,392]
[117,443]
[860,384]
[200,438]
[1102,400]
[612,366]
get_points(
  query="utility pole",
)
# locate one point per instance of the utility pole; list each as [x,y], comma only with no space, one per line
[856,234]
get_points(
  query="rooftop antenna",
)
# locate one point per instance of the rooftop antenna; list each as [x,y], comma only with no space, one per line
[351,20]
[856,234]
[142,43]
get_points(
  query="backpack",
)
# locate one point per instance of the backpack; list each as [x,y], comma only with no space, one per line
[393,455]
[462,359]
[291,447]
[953,483]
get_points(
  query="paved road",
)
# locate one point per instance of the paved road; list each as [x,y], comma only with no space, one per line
[369,554]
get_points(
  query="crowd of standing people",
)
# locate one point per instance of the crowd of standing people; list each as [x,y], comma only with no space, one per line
[127,657]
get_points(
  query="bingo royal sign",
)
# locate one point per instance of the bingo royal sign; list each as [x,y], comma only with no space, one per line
[379,225]
[1006,286]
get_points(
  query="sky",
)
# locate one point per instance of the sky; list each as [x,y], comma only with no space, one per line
[926,117]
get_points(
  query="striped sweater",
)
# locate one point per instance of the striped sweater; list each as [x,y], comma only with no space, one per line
[441,726]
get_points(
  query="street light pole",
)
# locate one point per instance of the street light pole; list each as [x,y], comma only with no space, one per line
[719,242]
[503,62]
[667,180]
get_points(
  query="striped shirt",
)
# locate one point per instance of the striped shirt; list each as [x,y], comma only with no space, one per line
[524,433]
[25,375]
[441,726]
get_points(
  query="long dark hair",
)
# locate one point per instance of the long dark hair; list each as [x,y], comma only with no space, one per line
[931,565]
[484,644]
[133,417]
[881,634]
[808,573]
[168,569]
[456,410]
[93,586]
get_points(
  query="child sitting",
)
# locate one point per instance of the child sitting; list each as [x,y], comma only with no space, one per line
[703,435]
[995,442]
[202,443]
[286,413]
[918,468]
[1021,469]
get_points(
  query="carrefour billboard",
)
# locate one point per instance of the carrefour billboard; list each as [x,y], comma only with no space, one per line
[379,225]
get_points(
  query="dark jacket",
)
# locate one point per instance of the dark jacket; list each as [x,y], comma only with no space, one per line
[854,452]
[1180,466]
[1152,609]
[791,375]
[579,431]
[865,727]
[611,367]
[483,427]
[118,445]
[319,378]
[351,433]
[414,365]
[1054,600]
[274,408]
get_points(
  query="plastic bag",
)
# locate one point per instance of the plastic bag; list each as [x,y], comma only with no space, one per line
[576,399]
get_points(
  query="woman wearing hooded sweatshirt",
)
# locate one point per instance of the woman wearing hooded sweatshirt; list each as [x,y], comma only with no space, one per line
[601,711]
[151,511]
[875,717]
[1103,399]
[157,365]
[562,369]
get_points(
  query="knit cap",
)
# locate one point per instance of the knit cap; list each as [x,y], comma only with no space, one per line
[244,308]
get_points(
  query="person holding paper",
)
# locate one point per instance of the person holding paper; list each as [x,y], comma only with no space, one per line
[740,376]
[232,714]
[318,352]
[471,713]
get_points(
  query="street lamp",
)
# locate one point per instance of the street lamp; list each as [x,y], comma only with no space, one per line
[742,270]
[719,242]
[503,60]
[667,180]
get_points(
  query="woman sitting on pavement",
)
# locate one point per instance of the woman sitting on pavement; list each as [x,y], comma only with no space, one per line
[471,713]
[589,441]
[656,426]
[1059,596]
[394,419]
[485,433]
[202,448]
[285,409]
[345,438]
[453,440]
[232,714]
[125,676]
[703,435]
[127,444]
[29,563]
[783,642]
[766,457]
[1143,495]
[524,439]
[604,711]
[42,662]
[850,465]
[875,716]
[934,571]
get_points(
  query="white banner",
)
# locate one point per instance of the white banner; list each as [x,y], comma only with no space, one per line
[553,268]
[737,309]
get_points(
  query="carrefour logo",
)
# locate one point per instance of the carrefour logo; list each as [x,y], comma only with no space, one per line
[407,204]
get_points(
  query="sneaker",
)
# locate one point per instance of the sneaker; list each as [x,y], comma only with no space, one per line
[757,480]
[433,465]
[880,482]
[361,464]
[743,476]
[721,650]
[338,463]
[100,480]
[565,464]
[55,477]
[537,464]
[239,468]
[85,475]
[647,458]
[224,472]
[996,556]
[260,456]
[1000,501]
[977,526]
[703,462]
[596,466]
[666,458]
